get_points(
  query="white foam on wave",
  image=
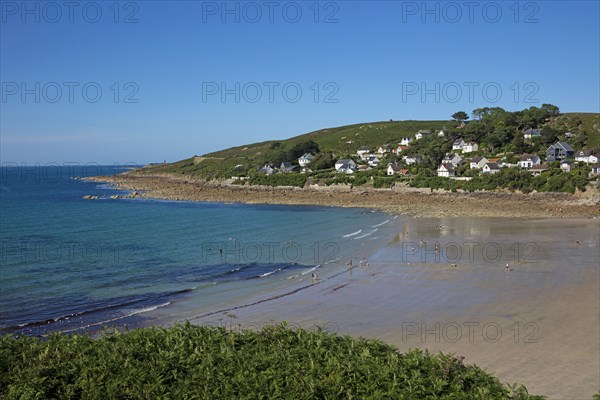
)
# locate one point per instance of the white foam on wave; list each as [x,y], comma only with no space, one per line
[310,270]
[130,314]
[366,234]
[353,233]
[269,273]
[383,223]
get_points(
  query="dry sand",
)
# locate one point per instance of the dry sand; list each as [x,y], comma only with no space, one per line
[538,324]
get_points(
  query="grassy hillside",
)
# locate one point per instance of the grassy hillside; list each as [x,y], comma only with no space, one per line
[372,134]
[590,125]
[190,362]
[345,140]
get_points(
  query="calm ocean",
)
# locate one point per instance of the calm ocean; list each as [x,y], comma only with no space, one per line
[75,265]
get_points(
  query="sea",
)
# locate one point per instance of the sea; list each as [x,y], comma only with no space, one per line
[74,265]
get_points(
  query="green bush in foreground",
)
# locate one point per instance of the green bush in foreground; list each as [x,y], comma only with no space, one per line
[189,362]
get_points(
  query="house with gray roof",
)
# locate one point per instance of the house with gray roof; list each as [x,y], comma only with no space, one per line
[532,133]
[490,168]
[559,151]
[345,166]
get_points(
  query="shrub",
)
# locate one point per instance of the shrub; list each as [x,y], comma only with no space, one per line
[191,362]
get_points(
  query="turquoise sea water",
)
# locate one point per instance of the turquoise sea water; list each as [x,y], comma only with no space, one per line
[69,264]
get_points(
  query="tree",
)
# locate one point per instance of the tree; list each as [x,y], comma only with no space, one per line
[549,135]
[323,161]
[551,110]
[460,116]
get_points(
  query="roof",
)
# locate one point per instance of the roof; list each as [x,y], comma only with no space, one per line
[395,167]
[344,161]
[424,132]
[286,164]
[307,155]
[585,153]
[539,167]
[448,166]
[477,159]
[534,131]
[527,157]
[363,148]
[470,144]
[450,156]
[457,141]
[564,145]
[492,165]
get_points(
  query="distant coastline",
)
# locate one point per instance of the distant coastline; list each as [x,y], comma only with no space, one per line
[400,200]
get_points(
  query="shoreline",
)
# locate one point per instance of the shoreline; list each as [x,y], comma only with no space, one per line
[504,322]
[400,200]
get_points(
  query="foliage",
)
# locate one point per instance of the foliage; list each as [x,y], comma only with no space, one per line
[282,152]
[460,116]
[513,179]
[190,362]
[383,182]
[323,161]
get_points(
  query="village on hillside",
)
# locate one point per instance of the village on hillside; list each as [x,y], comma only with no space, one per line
[463,154]
[416,160]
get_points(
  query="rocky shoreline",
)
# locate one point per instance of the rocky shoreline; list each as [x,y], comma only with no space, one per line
[401,200]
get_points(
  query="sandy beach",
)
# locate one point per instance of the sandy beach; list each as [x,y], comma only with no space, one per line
[400,200]
[514,286]
[537,324]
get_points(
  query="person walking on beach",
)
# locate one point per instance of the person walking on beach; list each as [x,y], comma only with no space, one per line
[315,278]
[507,268]
[349,264]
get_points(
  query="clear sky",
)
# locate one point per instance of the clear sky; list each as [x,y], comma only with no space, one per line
[145,81]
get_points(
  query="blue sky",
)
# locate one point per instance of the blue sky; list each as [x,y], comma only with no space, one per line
[184,78]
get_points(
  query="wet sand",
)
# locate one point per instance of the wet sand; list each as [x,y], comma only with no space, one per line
[538,324]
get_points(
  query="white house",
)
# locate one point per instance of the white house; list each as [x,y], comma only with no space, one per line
[266,169]
[478,162]
[384,149]
[528,161]
[396,169]
[410,160]
[490,168]
[532,133]
[445,170]
[458,144]
[306,159]
[441,133]
[566,166]
[470,147]
[345,166]
[422,133]
[595,170]
[452,158]
[401,148]
[362,151]
[586,156]
[373,161]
